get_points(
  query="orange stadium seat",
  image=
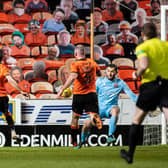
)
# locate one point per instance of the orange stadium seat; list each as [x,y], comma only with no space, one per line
[6,39]
[7,6]
[47,96]
[39,52]
[6,28]
[42,16]
[53,65]
[52,39]
[3,17]
[123,63]
[22,27]
[38,88]
[125,74]
[26,64]
[131,85]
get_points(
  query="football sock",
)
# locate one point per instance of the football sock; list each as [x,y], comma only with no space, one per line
[84,136]
[112,125]
[133,137]
[74,133]
[10,121]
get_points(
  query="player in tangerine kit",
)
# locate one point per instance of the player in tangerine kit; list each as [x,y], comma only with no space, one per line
[83,74]
[4,76]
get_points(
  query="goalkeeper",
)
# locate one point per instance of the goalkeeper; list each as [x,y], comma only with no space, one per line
[152,65]
[108,90]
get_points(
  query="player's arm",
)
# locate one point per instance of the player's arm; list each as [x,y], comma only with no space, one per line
[143,63]
[129,92]
[14,84]
[69,81]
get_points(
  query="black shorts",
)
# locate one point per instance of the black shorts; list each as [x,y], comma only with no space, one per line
[85,103]
[4,104]
[153,94]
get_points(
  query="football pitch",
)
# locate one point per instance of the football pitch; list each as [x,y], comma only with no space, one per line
[88,157]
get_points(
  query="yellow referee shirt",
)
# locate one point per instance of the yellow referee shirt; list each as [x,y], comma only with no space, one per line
[157,53]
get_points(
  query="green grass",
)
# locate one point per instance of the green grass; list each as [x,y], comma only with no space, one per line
[90,157]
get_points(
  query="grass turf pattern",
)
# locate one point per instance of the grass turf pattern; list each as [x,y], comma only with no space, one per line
[87,157]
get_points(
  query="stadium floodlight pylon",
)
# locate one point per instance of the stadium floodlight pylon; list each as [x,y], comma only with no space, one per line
[164,10]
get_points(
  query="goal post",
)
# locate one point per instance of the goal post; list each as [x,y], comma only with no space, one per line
[164,9]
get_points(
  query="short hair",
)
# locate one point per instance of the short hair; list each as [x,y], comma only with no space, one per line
[112,66]
[124,24]
[18,2]
[81,49]
[140,10]
[39,66]
[149,30]
[66,1]
[17,68]
[62,32]
[56,47]
[152,1]
[9,49]
[58,9]
[98,49]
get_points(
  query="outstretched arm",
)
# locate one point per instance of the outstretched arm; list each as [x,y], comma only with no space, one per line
[129,92]
[69,81]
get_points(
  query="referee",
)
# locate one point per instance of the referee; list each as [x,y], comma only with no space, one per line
[152,57]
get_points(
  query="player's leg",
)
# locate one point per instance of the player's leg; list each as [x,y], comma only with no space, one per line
[148,100]
[9,119]
[77,108]
[85,131]
[112,124]
[74,128]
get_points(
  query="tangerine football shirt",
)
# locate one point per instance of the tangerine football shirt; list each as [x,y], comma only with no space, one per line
[86,70]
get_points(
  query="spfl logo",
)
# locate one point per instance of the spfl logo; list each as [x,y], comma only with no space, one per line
[2,139]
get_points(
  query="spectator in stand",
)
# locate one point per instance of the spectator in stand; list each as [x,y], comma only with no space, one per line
[7,59]
[70,16]
[55,25]
[98,57]
[18,47]
[99,25]
[38,73]
[35,37]
[155,4]
[63,74]
[82,4]
[125,35]
[64,44]
[128,7]
[36,5]
[53,53]
[111,47]
[136,27]
[111,12]
[17,75]
[80,36]
[19,14]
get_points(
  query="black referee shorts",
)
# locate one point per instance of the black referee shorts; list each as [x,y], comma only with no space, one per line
[87,102]
[4,104]
[153,94]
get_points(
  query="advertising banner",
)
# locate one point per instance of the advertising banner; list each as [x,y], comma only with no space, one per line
[15,110]
[59,135]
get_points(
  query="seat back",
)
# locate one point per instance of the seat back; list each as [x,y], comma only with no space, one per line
[42,16]
[39,51]
[123,63]
[41,87]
